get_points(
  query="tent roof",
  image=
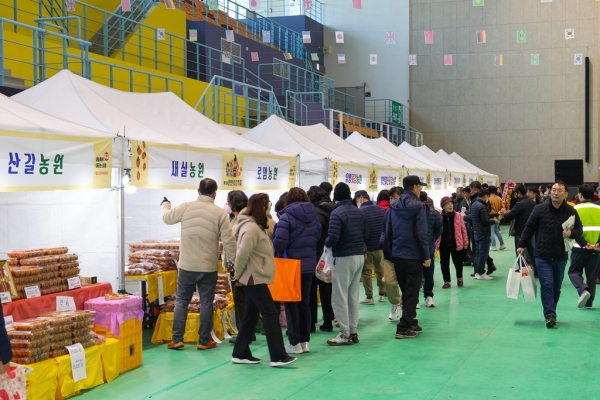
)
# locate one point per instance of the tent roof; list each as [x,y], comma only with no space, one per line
[413,152]
[156,117]
[460,160]
[382,147]
[15,116]
[448,163]
[313,143]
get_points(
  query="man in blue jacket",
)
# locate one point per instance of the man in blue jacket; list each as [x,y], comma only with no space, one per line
[482,232]
[407,236]
[347,235]
[434,231]
[374,215]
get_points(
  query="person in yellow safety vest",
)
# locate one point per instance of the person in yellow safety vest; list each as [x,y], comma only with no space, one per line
[584,258]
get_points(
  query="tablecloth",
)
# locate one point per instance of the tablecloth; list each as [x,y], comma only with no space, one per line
[31,308]
[112,313]
[169,283]
[163,331]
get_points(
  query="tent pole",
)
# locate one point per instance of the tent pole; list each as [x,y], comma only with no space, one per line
[298,170]
[327,166]
[122,174]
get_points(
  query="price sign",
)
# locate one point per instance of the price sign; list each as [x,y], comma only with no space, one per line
[78,366]
[5,297]
[65,303]
[9,323]
[161,291]
[32,291]
[74,283]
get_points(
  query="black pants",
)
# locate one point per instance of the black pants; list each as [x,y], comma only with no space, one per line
[259,300]
[409,274]
[239,301]
[457,259]
[325,293]
[489,261]
[587,261]
[298,313]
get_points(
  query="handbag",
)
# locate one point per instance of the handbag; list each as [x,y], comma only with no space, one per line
[513,283]
[325,266]
[286,284]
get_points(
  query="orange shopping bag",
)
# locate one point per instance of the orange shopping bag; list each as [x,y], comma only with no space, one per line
[286,286]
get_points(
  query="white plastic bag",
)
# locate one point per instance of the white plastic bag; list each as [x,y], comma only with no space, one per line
[325,266]
[513,283]
[528,283]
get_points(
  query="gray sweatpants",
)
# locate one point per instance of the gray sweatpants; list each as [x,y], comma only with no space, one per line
[345,280]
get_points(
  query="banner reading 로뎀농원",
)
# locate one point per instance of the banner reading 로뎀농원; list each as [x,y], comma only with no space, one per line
[182,167]
[34,161]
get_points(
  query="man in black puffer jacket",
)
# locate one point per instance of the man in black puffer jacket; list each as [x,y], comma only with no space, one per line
[434,231]
[347,236]
[482,232]
[546,222]
[374,215]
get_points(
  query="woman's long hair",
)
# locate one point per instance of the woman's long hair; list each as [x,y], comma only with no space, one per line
[257,209]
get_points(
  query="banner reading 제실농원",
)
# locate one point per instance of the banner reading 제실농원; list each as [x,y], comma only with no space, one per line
[163,166]
[34,161]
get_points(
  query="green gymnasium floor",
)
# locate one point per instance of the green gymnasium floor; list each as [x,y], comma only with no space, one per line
[476,344]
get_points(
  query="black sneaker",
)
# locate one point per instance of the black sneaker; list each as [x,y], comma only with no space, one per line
[283,362]
[550,321]
[354,338]
[406,334]
[416,329]
[326,327]
[249,360]
[491,269]
[473,274]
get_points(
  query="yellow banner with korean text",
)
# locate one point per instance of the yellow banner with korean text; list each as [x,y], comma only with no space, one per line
[41,162]
[164,166]
[359,177]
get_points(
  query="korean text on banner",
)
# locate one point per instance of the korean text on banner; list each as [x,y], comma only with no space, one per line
[423,175]
[35,162]
[437,181]
[355,176]
[181,167]
[380,179]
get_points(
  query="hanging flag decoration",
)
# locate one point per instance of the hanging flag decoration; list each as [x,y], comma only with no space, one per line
[160,34]
[478,3]
[213,5]
[569,34]
[339,36]
[266,36]
[126,5]
[229,36]
[253,5]
[412,59]
[341,59]
[498,60]
[292,3]
[373,59]
[306,36]
[521,36]
[448,59]
[390,37]
[308,5]
[193,35]
[535,59]
[357,4]
[169,4]
[314,56]
[578,59]
[70,5]
[254,56]
[481,37]
[226,58]
[428,37]
[287,56]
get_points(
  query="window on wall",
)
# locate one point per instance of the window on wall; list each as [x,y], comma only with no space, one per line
[234,49]
[281,68]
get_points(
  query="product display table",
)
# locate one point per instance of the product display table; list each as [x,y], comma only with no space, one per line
[222,326]
[112,314]
[53,379]
[32,308]
[169,279]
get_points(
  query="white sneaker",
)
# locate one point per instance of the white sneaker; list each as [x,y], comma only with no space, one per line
[340,340]
[395,313]
[429,302]
[418,306]
[381,298]
[367,301]
[494,248]
[483,277]
[583,299]
[503,247]
[290,349]
[304,346]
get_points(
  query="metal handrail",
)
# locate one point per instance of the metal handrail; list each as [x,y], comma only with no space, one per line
[346,104]
[282,8]
[299,80]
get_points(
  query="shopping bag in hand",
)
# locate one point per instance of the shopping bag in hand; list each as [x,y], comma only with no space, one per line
[325,266]
[528,283]
[513,283]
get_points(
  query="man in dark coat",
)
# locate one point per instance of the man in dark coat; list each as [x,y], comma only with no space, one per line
[480,218]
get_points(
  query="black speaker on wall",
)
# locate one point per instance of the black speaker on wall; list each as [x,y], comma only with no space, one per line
[569,171]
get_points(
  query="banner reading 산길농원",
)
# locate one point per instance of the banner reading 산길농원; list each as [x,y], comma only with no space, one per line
[163,166]
[37,162]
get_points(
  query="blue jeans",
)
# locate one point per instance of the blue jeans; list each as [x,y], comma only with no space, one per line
[496,232]
[551,274]
[482,246]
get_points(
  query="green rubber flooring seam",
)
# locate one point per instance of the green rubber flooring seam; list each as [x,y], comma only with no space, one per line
[476,344]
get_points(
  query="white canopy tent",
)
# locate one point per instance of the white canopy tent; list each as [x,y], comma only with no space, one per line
[412,151]
[83,220]
[459,160]
[316,146]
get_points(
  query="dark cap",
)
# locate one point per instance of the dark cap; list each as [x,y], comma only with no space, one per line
[362,193]
[341,192]
[412,180]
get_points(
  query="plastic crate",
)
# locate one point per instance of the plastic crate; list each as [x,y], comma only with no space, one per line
[129,327]
[131,351]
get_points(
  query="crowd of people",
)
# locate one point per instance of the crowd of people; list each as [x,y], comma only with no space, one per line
[395,237]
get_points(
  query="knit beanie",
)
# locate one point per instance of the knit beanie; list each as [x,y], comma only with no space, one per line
[341,192]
